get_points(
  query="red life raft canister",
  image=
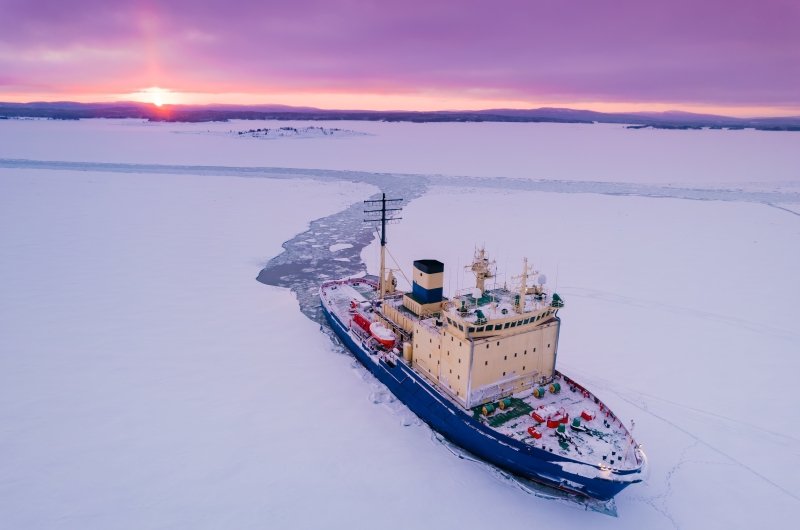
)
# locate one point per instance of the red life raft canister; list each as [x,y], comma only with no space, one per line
[533,432]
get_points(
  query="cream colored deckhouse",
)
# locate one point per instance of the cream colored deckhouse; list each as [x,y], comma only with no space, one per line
[482,344]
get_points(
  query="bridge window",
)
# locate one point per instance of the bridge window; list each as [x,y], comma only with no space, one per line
[514,324]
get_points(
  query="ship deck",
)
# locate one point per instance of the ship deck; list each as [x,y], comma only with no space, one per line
[602,440]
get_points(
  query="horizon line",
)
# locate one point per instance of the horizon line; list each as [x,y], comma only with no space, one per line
[310,108]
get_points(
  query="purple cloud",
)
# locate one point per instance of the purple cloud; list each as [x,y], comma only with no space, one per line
[719,52]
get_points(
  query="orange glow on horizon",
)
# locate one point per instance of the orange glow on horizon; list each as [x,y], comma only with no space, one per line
[417,101]
[156,95]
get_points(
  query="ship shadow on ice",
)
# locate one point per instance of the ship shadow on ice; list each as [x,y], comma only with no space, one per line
[530,487]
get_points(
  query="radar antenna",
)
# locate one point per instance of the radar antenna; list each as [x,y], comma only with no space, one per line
[482,268]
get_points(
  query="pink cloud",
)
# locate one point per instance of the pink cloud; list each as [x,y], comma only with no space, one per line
[721,52]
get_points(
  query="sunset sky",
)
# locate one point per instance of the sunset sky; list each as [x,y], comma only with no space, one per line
[725,56]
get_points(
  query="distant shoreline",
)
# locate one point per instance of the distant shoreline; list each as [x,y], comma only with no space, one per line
[223,113]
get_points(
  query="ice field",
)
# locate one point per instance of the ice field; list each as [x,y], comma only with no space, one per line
[147,380]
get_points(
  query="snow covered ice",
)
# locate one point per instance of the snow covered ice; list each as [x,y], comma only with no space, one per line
[147,380]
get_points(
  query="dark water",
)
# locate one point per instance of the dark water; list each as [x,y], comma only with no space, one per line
[307,261]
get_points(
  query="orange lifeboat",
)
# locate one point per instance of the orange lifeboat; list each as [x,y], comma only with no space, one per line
[383,334]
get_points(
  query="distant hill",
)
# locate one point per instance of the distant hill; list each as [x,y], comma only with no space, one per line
[66,110]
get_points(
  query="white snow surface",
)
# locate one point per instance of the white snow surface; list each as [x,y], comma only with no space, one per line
[148,381]
[588,152]
[339,246]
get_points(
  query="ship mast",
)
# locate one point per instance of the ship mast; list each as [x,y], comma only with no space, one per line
[482,268]
[381,216]
[523,285]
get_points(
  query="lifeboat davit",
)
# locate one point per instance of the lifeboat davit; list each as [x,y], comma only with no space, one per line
[383,334]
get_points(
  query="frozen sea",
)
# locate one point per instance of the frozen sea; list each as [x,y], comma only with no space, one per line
[147,380]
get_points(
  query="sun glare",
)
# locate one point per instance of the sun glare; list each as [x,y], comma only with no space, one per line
[156,95]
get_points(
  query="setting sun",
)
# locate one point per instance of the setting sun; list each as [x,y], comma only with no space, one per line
[156,95]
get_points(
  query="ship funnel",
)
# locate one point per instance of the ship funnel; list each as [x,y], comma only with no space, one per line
[428,281]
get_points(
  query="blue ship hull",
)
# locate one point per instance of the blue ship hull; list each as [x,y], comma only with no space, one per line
[463,430]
